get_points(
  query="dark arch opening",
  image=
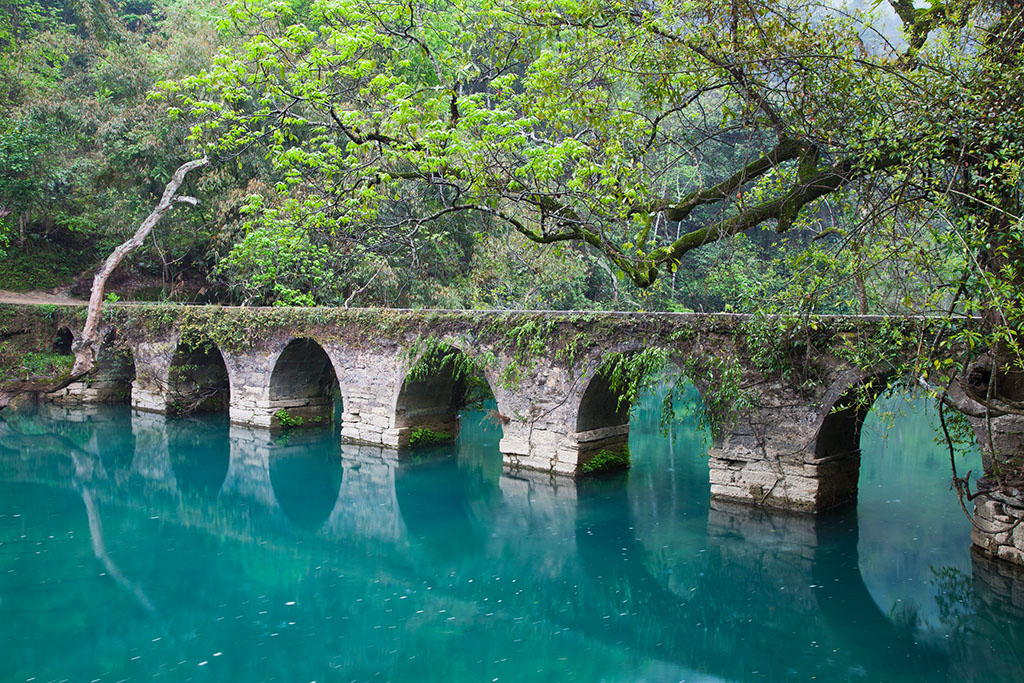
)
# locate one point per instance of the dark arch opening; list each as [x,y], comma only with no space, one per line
[602,423]
[62,342]
[303,386]
[439,386]
[838,440]
[839,434]
[115,371]
[198,381]
[602,406]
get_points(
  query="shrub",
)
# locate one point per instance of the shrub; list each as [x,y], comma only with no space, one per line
[425,436]
[286,420]
[607,460]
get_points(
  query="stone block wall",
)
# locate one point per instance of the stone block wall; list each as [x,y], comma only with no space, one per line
[999,525]
[791,450]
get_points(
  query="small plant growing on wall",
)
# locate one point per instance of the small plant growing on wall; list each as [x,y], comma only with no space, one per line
[425,436]
[607,461]
[286,420]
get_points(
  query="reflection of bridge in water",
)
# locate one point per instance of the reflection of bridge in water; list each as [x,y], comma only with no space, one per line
[572,548]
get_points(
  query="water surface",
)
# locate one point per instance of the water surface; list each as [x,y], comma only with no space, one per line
[137,547]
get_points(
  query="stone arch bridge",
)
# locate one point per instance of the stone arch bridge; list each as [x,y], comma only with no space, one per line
[790,439]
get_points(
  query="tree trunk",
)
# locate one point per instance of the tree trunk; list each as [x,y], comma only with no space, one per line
[85,346]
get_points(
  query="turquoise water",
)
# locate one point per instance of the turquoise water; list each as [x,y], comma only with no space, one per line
[140,548]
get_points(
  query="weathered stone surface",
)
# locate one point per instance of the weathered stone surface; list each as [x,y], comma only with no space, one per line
[998,528]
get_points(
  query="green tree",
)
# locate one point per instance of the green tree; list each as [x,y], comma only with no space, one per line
[591,123]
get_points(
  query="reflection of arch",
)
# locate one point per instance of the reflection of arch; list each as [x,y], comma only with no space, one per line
[851,611]
[62,341]
[198,380]
[200,453]
[306,478]
[440,384]
[435,501]
[811,562]
[115,442]
[304,384]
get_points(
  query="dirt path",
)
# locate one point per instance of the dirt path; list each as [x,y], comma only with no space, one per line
[37,297]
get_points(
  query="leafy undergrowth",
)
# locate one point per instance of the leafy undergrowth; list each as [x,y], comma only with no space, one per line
[607,461]
[424,436]
[17,366]
[25,269]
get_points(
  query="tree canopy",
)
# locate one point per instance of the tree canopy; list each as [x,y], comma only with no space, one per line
[591,122]
[647,131]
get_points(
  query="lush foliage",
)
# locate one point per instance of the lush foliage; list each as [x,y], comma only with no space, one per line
[642,133]
[424,436]
[286,420]
[83,152]
[607,460]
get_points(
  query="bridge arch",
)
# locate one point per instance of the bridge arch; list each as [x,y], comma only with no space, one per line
[837,438]
[441,381]
[847,404]
[62,341]
[603,412]
[304,384]
[197,380]
[602,421]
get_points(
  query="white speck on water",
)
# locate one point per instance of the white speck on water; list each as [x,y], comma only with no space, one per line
[290,603]
[217,654]
[203,663]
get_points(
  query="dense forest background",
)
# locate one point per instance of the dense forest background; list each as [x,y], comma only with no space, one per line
[85,151]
